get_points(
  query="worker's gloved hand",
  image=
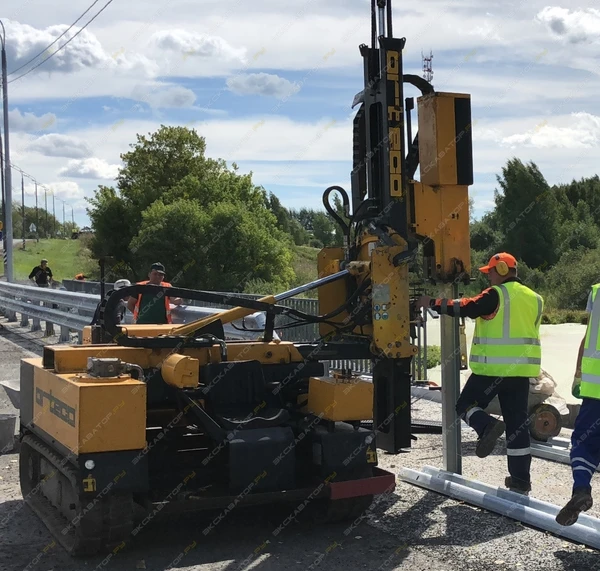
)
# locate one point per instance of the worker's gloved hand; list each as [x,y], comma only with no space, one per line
[576,386]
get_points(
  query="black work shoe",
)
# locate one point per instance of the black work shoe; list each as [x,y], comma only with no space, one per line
[580,502]
[517,486]
[491,433]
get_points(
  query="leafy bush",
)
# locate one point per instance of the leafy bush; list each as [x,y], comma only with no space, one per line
[570,281]
[434,356]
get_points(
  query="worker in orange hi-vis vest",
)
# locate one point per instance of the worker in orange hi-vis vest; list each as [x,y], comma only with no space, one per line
[153,309]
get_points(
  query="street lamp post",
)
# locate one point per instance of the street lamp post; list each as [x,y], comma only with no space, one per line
[8,225]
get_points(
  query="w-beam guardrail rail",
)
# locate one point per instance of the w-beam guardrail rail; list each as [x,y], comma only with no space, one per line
[301,334]
[72,309]
[519,507]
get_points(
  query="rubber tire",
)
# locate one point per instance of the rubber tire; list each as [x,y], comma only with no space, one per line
[544,408]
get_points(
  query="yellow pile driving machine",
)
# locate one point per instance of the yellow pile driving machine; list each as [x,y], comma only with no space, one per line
[177,414]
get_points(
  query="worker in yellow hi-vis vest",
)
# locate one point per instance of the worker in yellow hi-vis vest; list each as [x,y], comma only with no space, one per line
[505,353]
[585,440]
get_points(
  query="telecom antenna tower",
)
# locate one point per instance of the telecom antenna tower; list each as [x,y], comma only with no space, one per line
[427,66]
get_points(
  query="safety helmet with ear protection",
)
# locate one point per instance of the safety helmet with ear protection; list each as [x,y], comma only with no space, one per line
[502,262]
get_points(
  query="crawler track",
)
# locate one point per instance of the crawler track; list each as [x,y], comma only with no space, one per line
[82,524]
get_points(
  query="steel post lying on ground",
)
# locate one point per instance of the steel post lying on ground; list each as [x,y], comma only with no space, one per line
[510,504]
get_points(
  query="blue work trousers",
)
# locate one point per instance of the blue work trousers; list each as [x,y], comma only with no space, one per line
[585,444]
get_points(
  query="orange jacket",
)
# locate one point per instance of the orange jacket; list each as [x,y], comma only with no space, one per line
[139,301]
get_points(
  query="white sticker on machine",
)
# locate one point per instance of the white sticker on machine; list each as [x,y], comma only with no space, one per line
[381,294]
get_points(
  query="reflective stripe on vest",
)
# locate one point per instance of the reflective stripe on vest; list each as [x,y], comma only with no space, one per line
[494,351]
[136,309]
[590,363]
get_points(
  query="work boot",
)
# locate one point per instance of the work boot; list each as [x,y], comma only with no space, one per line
[487,441]
[581,501]
[517,486]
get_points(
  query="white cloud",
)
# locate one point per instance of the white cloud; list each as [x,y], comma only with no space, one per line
[29,121]
[576,26]
[195,45]
[92,168]
[584,132]
[67,191]
[158,97]
[56,145]
[278,139]
[84,51]
[262,84]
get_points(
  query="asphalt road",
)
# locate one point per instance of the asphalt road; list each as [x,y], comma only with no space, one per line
[408,529]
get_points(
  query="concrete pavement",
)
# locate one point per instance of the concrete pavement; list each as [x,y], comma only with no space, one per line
[560,344]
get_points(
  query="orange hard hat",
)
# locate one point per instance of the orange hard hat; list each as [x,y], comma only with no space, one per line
[508,259]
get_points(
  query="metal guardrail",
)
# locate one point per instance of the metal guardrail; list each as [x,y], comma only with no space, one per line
[301,334]
[78,300]
[73,311]
[70,311]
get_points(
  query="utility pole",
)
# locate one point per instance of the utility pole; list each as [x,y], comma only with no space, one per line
[8,227]
[54,215]
[3,205]
[37,216]
[73,217]
[23,206]
[46,209]
[64,230]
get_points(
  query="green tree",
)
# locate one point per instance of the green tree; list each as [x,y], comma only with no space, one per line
[219,248]
[210,225]
[570,280]
[527,212]
[323,228]
[44,221]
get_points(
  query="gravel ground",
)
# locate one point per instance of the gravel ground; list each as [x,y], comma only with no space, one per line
[409,529]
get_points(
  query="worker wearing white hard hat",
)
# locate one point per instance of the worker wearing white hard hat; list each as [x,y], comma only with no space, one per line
[122,308]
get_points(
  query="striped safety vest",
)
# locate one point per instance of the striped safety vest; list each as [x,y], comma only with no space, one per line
[508,345]
[590,363]
[138,303]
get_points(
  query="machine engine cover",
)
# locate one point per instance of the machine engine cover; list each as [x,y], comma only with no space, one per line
[252,456]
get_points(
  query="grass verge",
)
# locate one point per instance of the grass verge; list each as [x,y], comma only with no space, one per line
[66,258]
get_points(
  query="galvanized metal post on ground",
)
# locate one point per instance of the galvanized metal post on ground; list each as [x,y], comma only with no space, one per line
[450,349]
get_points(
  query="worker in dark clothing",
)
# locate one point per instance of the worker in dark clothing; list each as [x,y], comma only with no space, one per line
[41,275]
[505,353]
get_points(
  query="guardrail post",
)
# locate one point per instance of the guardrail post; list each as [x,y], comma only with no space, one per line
[24,320]
[35,321]
[80,337]
[65,335]
[49,329]
[12,315]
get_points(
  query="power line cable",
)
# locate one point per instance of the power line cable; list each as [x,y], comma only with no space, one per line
[65,44]
[56,40]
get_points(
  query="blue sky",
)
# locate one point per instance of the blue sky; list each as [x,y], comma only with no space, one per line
[270,84]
